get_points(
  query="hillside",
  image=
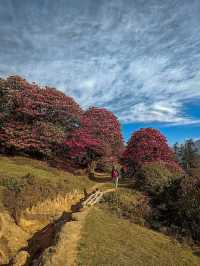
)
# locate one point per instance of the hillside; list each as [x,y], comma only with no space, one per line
[40,197]
[109,240]
[33,195]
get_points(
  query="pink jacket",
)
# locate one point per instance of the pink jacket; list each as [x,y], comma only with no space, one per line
[115,173]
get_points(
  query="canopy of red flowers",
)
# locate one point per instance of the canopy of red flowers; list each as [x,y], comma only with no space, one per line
[98,136]
[34,119]
[149,145]
[45,122]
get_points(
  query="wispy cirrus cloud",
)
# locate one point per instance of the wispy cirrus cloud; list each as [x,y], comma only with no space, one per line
[140,59]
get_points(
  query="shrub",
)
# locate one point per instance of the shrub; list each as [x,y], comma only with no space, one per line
[177,207]
[129,204]
[189,205]
[153,177]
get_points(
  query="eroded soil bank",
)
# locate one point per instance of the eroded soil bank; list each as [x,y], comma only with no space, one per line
[31,237]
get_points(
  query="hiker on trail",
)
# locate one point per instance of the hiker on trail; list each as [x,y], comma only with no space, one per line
[115,176]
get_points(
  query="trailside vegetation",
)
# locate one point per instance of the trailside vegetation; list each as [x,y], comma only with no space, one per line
[171,180]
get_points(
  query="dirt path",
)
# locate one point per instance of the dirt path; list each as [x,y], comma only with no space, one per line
[75,233]
[65,251]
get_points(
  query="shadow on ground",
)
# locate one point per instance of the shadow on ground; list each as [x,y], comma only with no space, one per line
[197,253]
[126,183]
[100,178]
[106,178]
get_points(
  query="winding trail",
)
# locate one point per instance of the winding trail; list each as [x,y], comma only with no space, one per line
[76,226]
[65,251]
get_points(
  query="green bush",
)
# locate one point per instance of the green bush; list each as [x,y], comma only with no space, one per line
[177,207]
[174,198]
[129,204]
[189,205]
[153,178]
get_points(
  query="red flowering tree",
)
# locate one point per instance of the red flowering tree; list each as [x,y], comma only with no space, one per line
[82,147]
[46,123]
[99,136]
[106,127]
[35,120]
[148,145]
[30,102]
[81,144]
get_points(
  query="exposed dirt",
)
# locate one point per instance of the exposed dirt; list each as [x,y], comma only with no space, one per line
[45,238]
[33,219]
[12,237]
[22,195]
[64,252]
[21,236]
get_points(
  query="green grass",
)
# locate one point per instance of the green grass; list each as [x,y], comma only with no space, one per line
[109,240]
[17,167]
[24,182]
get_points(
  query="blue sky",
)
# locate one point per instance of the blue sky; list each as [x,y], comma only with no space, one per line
[138,58]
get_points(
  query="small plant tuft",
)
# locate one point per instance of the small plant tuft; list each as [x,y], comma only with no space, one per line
[12,184]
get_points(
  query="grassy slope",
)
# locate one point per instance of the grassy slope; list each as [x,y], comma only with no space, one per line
[44,182]
[109,240]
[20,166]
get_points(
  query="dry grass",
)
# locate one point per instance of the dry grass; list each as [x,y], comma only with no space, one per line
[65,250]
[57,205]
[40,215]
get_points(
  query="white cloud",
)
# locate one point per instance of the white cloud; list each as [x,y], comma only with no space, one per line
[139,60]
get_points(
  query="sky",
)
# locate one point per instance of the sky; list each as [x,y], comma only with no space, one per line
[138,58]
